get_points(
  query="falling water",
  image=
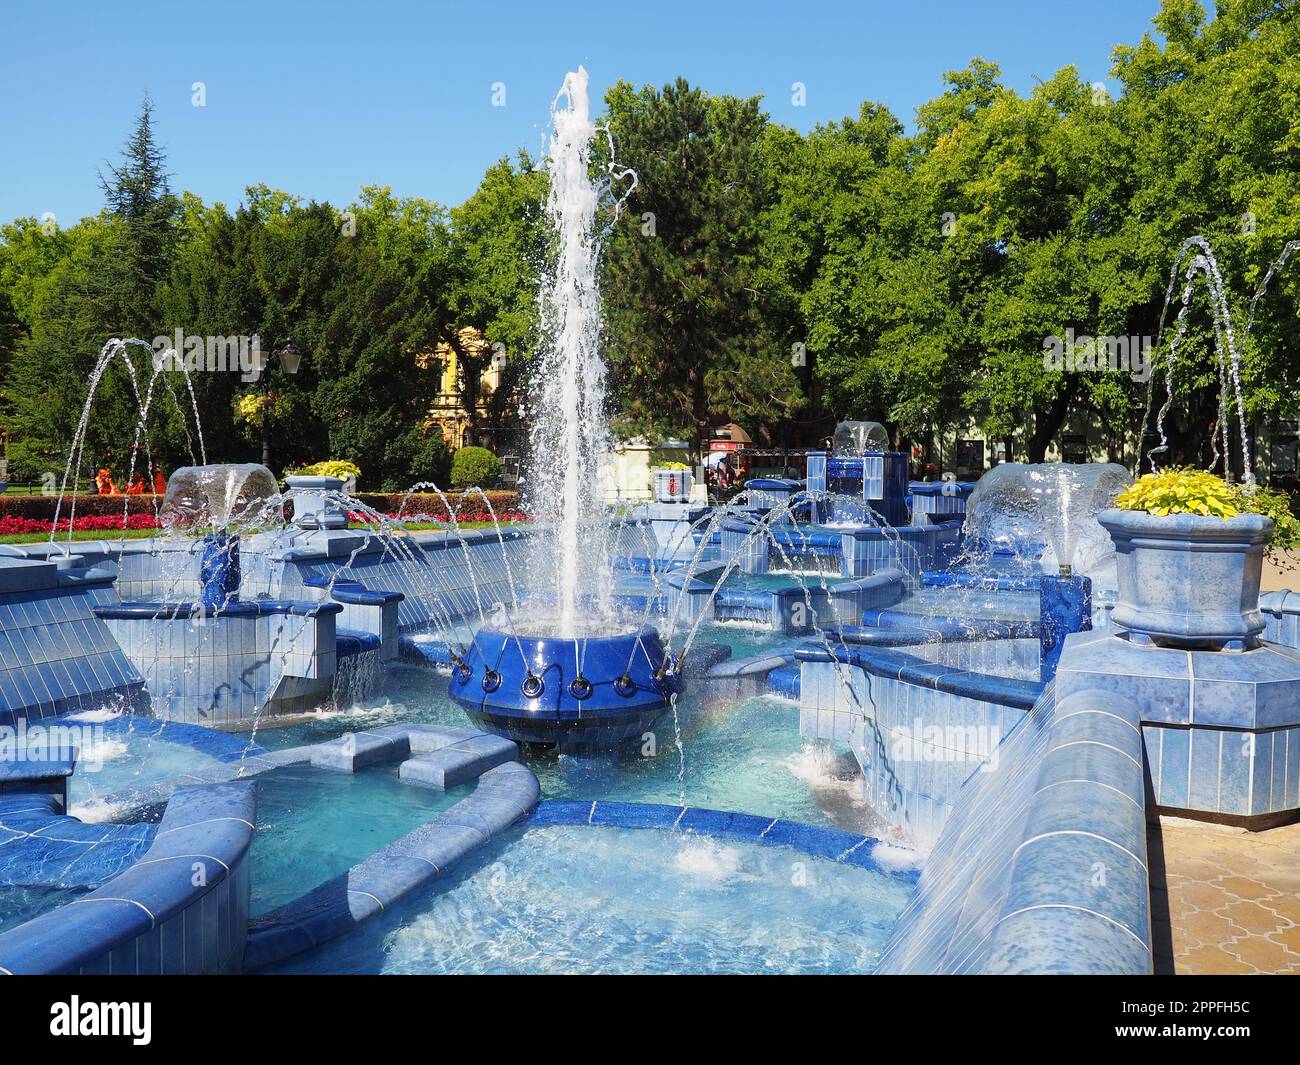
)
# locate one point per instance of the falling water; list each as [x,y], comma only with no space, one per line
[118,349]
[1200,261]
[569,434]
[1026,507]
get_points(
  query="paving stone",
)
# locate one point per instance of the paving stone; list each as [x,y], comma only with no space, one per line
[1231,898]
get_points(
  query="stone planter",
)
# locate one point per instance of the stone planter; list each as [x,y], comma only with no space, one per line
[311,508]
[1186,580]
[673,486]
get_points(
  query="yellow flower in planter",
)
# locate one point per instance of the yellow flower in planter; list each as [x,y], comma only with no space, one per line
[1181,491]
[340,468]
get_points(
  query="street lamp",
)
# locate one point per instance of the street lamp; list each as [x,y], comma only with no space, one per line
[289,356]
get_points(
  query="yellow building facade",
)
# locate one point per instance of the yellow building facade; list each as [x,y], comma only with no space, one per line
[448,413]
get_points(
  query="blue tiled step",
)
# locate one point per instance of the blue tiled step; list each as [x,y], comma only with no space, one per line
[896,665]
[162,611]
[351,642]
[743,604]
[351,591]
[785,682]
[424,651]
[458,763]
[952,628]
[982,582]
[357,750]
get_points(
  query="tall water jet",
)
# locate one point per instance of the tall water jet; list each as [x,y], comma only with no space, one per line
[1195,257]
[568,672]
[569,435]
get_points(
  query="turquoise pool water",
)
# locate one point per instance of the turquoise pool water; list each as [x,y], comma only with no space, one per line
[109,763]
[313,824]
[744,638]
[116,763]
[746,756]
[777,579]
[560,899]
[19,904]
[608,900]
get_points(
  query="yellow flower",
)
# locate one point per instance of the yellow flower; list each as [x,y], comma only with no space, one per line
[1179,491]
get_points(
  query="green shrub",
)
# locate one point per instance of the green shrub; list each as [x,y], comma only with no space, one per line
[475,467]
[1272,504]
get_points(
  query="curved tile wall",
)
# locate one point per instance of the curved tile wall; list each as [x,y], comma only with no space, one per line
[432,756]
[182,908]
[1042,866]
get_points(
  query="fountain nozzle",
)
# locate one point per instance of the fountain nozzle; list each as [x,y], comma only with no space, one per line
[1065,569]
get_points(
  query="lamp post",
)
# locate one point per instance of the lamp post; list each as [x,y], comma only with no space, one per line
[289,356]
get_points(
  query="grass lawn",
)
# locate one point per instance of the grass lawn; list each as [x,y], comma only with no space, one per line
[80,534]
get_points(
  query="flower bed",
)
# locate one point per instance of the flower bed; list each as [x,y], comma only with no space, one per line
[429,503]
[40,507]
[463,517]
[87,503]
[12,525]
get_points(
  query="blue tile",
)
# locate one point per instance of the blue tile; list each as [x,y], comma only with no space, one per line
[1174,766]
[1204,782]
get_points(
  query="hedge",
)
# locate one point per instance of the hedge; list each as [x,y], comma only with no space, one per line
[429,503]
[88,503]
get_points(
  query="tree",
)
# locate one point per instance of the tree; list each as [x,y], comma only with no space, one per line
[920,275]
[493,258]
[686,334]
[1214,110]
[137,193]
[381,309]
[72,290]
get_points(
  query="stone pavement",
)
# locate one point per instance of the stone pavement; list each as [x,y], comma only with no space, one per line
[1224,900]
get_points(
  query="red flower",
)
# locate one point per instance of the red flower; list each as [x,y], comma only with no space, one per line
[12,525]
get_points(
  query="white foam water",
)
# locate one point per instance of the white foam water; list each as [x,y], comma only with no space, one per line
[569,439]
[707,860]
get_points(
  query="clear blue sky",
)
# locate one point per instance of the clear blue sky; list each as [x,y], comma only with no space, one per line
[321,98]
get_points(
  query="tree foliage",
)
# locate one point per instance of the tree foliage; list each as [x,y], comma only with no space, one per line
[687,335]
[917,274]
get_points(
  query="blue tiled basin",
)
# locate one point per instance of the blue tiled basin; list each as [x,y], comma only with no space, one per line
[1186,580]
[575,693]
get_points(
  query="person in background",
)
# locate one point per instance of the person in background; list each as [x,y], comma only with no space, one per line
[726,475]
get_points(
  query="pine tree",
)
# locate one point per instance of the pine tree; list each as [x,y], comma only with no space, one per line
[138,197]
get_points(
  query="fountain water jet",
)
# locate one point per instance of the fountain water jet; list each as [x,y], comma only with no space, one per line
[570,436]
[568,671]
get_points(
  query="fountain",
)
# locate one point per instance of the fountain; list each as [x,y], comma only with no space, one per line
[1043,516]
[568,671]
[865,482]
[1200,261]
[221,500]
